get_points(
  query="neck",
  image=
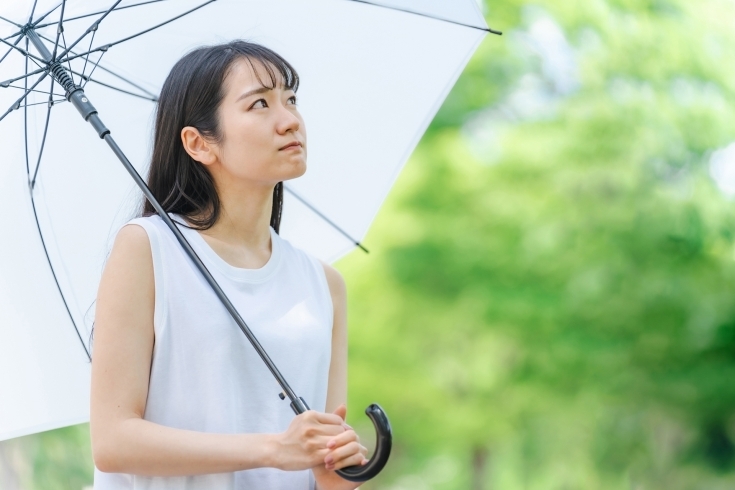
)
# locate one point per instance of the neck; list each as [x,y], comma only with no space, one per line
[245,215]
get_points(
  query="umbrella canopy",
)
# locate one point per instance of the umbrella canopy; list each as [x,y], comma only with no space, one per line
[373,74]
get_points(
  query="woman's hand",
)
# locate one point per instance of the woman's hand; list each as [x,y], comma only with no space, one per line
[344,450]
[304,444]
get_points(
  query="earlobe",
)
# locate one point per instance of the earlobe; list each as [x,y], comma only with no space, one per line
[196,146]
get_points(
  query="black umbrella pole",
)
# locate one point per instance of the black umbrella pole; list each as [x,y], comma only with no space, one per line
[77,97]
[298,405]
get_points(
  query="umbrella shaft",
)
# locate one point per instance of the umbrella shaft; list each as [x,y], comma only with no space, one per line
[297,403]
[78,98]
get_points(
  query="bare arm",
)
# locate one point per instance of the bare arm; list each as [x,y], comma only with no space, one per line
[122,441]
[347,450]
[337,387]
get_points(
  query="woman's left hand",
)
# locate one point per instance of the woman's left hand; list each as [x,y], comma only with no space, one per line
[345,450]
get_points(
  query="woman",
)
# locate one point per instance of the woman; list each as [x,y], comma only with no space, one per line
[180,400]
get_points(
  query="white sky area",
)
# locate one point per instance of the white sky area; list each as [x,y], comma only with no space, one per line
[722,169]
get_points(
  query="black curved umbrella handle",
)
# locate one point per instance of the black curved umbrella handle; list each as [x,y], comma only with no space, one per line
[360,473]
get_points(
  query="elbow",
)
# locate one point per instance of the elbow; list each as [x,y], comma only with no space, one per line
[105,453]
[104,457]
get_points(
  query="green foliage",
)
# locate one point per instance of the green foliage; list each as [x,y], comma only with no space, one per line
[564,301]
[60,459]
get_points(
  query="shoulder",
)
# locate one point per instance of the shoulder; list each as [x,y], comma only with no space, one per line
[336,282]
[133,238]
[131,250]
[128,276]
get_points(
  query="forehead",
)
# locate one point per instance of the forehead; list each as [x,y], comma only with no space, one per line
[246,73]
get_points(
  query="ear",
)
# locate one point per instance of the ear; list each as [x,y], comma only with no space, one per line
[197,147]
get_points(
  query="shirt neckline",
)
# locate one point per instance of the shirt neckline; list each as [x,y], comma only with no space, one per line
[238,274]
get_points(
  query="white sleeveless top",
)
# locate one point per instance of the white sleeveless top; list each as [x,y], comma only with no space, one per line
[206,376]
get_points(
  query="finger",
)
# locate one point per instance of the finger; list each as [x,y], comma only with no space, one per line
[342,439]
[348,450]
[328,418]
[353,460]
[341,411]
[325,432]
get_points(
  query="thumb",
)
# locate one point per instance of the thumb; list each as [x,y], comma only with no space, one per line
[342,412]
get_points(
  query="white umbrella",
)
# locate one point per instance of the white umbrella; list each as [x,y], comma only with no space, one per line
[373,74]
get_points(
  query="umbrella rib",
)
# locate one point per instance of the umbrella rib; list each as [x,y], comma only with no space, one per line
[89,29]
[11,49]
[34,91]
[63,39]
[100,12]
[10,22]
[89,77]
[112,87]
[56,280]
[35,24]
[107,46]
[7,83]
[24,52]
[492,31]
[86,59]
[57,101]
[97,65]
[25,108]
[322,216]
[16,105]
[59,29]
[43,140]
[33,204]
[15,34]
[33,11]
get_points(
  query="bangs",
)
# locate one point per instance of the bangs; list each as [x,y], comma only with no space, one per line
[277,69]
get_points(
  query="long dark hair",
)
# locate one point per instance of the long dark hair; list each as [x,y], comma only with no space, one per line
[191,96]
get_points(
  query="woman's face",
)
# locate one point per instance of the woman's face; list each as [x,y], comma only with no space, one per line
[264,137]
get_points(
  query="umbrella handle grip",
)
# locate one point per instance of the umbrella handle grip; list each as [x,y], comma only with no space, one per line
[361,473]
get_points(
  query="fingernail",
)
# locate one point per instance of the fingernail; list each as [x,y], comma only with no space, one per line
[364,462]
[331,444]
[329,466]
[329,460]
[347,426]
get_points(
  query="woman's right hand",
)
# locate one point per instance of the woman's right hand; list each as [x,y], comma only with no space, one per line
[304,444]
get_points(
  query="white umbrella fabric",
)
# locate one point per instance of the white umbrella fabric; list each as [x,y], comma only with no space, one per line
[373,74]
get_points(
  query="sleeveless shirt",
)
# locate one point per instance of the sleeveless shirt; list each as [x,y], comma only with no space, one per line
[206,376]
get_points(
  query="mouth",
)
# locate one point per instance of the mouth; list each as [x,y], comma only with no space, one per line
[290,146]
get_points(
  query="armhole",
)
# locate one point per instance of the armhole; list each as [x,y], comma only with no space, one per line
[159,310]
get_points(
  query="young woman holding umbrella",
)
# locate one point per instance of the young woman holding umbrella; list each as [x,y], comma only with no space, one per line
[179,398]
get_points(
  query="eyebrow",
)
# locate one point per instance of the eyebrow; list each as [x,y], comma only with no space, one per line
[253,92]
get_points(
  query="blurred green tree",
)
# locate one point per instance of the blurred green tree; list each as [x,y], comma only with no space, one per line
[551,290]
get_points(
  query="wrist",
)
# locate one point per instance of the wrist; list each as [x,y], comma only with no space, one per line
[273,445]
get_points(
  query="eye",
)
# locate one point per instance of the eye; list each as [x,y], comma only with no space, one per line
[265,104]
[294,99]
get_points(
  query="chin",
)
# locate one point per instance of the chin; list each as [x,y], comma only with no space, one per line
[296,171]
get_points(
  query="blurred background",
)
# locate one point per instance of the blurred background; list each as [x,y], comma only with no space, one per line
[549,300]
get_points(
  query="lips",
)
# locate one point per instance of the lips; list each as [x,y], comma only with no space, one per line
[291,145]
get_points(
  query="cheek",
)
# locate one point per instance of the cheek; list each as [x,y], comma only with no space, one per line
[246,142]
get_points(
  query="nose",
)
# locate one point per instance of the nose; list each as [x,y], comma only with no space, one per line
[287,121]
